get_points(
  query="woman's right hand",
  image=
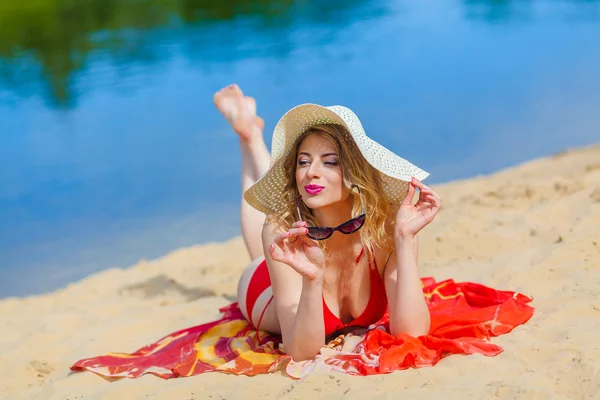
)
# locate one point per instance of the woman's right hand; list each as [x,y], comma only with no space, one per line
[296,249]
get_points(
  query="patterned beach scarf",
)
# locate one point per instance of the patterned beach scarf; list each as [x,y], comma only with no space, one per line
[464,316]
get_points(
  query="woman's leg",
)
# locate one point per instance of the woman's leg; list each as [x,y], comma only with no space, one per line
[255,297]
[240,112]
[256,301]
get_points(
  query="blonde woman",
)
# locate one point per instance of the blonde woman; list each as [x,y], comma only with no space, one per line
[338,245]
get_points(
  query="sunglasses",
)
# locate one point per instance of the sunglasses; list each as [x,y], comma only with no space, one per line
[348,227]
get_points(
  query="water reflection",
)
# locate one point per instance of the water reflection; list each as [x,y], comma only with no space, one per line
[45,45]
[494,11]
[524,11]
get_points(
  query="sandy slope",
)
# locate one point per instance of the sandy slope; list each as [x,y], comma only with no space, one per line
[534,228]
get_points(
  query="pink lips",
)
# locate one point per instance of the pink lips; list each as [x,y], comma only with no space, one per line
[313,189]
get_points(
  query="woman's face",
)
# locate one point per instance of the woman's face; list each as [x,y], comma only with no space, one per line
[318,173]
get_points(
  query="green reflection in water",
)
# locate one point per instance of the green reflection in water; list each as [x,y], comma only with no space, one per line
[44,42]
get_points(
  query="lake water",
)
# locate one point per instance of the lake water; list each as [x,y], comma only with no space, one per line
[111,150]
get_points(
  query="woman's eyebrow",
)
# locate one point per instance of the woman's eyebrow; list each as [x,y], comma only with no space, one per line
[322,155]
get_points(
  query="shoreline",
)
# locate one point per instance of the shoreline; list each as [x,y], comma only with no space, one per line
[533,228]
[143,259]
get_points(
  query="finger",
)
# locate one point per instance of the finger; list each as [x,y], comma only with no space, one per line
[419,184]
[436,196]
[275,252]
[290,237]
[434,200]
[424,199]
[410,193]
[307,240]
[294,232]
[425,195]
[278,239]
[299,224]
[429,192]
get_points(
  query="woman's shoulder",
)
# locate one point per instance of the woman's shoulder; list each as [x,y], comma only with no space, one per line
[271,228]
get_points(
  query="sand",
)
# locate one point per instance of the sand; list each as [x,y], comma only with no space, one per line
[534,228]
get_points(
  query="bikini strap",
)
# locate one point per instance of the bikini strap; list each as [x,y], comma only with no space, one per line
[372,265]
[360,255]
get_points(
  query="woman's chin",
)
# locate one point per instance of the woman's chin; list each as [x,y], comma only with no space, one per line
[314,203]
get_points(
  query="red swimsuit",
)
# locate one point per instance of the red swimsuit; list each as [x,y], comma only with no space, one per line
[375,309]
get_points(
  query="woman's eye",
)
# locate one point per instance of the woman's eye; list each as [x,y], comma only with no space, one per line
[302,162]
[332,163]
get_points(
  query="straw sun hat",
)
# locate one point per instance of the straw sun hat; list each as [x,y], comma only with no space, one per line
[266,195]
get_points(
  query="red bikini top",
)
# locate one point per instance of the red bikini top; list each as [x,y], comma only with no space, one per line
[376,307]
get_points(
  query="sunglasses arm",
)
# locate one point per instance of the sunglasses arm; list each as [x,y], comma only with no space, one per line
[298,207]
[360,197]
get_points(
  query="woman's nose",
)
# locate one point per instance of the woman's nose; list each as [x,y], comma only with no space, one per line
[314,170]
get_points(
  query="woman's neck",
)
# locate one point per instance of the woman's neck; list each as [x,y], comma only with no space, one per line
[339,243]
[334,214]
[341,253]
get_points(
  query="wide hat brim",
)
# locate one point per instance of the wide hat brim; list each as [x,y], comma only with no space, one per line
[266,195]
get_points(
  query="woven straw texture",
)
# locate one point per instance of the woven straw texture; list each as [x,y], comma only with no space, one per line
[266,195]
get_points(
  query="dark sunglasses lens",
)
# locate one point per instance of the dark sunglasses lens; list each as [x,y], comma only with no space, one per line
[319,233]
[353,225]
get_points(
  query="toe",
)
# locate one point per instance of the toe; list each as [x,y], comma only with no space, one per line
[259,122]
[251,103]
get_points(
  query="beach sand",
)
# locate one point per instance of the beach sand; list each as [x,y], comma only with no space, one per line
[534,228]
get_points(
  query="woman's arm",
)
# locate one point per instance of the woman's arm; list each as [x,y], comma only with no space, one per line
[408,309]
[298,304]
[407,306]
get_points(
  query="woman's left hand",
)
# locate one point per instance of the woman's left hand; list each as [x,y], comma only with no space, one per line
[411,218]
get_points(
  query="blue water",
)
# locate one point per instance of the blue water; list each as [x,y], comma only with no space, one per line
[111,150]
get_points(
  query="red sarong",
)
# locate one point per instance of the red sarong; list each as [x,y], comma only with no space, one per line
[463,318]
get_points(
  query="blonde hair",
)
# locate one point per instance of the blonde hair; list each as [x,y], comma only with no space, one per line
[356,170]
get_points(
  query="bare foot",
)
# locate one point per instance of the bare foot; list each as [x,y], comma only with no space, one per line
[258,121]
[239,111]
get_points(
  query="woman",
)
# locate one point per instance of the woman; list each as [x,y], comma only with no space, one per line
[308,281]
